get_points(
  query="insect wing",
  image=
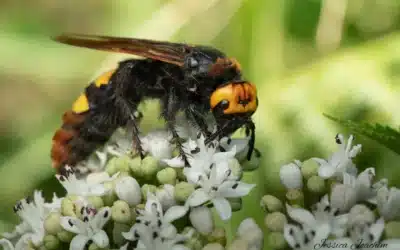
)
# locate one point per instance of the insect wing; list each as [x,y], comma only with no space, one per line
[173,53]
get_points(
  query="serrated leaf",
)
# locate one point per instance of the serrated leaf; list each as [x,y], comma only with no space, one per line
[383,134]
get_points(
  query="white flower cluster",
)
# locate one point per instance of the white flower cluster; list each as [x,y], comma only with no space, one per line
[329,205]
[115,200]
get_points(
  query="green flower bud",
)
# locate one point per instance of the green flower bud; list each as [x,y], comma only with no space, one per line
[213,246]
[52,223]
[295,197]
[238,244]
[236,203]
[118,229]
[136,167]
[121,212]
[65,236]
[194,244]
[316,184]
[275,221]
[236,168]
[182,191]
[51,242]
[148,188]
[96,201]
[309,168]
[118,164]
[218,235]
[93,246]
[392,230]
[276,240]
[271,204]
[111,196]
[149,167]
[68,207]
[167,176]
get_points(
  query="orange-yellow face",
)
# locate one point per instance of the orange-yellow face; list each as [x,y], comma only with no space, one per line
[235,98]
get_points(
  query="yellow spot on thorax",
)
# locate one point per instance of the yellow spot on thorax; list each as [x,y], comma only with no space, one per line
[104,78]
[81,104]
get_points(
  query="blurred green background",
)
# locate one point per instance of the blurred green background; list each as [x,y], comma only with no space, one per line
[307,57]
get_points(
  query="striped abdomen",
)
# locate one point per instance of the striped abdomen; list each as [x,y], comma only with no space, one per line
[87,125]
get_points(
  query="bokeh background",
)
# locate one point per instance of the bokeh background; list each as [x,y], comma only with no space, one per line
[307,57]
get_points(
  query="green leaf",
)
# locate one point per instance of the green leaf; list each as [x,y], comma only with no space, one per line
[385,135]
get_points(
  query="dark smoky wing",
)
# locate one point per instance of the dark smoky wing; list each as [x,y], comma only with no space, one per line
[173,53]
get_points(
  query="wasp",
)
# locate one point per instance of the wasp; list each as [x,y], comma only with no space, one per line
[194,80]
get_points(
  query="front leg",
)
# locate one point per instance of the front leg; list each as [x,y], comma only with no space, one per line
[171,108]
[127,107]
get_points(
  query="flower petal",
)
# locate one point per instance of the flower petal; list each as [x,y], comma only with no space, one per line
[376,229]
[101,239]
[198,197]
[301,215]
[128,189]
[201,219]
[101,218]
[73,225]
[79,242]
[175,162]
[290,176]
[174,213]
[231,189]
[326,171]
[223,207]
[290,232]
[6,244]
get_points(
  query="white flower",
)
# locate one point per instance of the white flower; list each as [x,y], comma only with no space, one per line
[303,239]
[200,156]
[80,187]
[54,205]
[341,160]
[353,190]
[216,187]
[388,203]
[128,189]
[158,144]
[154,218]
[291,176]
[32,214]
[241,145]
[201,219]
[166,196]
[90,228]
[7,245]
[322,216]
[145,238]
[249,231]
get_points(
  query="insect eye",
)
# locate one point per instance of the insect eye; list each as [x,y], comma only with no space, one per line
[193,62]
[224,104]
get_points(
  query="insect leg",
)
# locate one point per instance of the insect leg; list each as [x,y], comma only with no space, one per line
[171,107]
[251,126]
[127,101]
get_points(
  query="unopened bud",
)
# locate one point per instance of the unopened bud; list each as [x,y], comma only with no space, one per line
[238,244]
[182,191]
[295,197]
[96,202]
[65,236]
[271,204]
[52,223]
[213,246]
[118,164]
[392,230]
[275,221]
[316,184]
[201,219]
[149,167]
[276,240]
[309,168]
[147,188]
[51,242]
[218,235]
[167,176]
[121,212]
